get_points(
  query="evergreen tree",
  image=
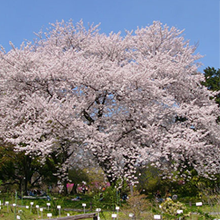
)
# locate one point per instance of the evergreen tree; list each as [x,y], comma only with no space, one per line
[212,81]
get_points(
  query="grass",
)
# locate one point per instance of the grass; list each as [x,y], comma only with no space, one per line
[123,215]
[108,208]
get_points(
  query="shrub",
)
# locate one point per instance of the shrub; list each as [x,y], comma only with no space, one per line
[139,206]
[169,208]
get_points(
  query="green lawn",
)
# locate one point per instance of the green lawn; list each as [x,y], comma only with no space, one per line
[108,208]
[123,215]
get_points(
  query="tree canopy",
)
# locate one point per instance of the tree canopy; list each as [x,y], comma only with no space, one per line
[114,98]
[212,81]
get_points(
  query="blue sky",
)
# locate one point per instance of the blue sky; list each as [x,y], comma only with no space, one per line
[19,19]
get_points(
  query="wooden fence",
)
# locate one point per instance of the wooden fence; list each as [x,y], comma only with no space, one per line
[75,217]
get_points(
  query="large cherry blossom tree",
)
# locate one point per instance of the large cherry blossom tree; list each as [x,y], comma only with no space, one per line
[124,101]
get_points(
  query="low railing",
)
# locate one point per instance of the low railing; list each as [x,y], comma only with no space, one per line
[81,216]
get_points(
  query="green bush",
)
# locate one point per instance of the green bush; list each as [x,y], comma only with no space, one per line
[169,208]
[107,199]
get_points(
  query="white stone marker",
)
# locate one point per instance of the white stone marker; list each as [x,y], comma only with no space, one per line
[114,216]
[48,205]
[84,207]
[49,215]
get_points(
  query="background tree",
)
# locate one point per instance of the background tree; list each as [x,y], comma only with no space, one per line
[77,176]
[22,170]
[150,181]
[212,81]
